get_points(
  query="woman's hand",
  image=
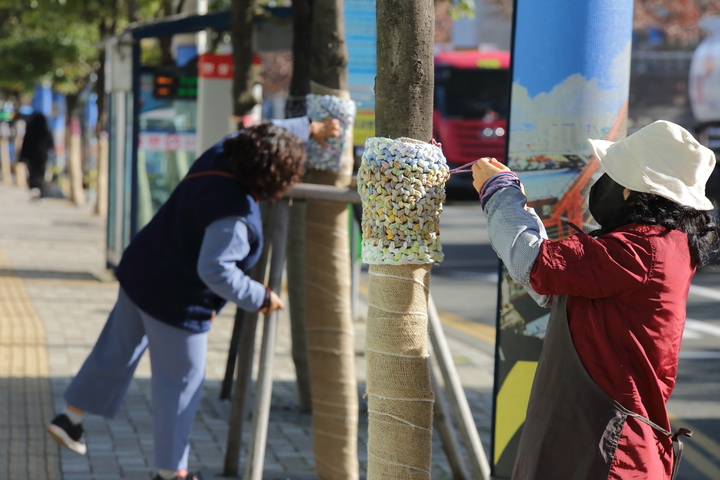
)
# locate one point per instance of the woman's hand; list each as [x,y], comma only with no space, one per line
[320,131]
[484,169]
[276,303]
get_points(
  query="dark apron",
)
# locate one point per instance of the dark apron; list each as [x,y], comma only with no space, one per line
[572,427]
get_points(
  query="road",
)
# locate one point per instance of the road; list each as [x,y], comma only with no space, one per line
[464,287]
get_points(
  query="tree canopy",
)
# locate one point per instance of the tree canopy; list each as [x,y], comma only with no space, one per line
[57,40]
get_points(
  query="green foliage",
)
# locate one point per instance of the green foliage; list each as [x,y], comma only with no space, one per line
[214,5]
[460,8]
[27,59]
[57,40]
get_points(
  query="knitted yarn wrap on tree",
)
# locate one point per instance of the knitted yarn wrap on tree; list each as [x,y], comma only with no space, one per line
[320,107]
[402,186]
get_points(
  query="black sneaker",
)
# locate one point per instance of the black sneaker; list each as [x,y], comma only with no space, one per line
[190,476]
[66,433]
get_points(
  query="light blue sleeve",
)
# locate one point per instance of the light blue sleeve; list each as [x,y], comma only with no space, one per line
[300,126]
[225,243]
[516,234]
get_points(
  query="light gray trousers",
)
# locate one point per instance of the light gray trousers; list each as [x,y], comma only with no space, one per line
[177,359]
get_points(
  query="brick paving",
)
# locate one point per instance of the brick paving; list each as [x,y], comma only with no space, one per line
[55,296]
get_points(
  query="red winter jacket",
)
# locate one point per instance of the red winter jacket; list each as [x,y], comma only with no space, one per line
[627,294]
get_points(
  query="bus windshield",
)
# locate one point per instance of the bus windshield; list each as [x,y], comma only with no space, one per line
[472,93]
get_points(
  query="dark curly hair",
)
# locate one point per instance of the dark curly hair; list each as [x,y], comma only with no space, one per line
[700,226]
[266,159]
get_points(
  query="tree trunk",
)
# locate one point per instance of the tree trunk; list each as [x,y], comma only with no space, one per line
[103,167]
[405,79]
[296,106]
[165,43]
[329,60]
[101,201]
[131,10]
[400,419]
[302,47]
[5,161]
[245,77]
[329,326]
[74,163]
[20,167]
[73,152]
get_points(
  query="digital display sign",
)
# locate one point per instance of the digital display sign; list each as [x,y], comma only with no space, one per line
[174,83]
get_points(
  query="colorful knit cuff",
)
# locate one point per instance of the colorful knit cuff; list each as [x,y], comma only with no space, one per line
[320,107]
[402,186]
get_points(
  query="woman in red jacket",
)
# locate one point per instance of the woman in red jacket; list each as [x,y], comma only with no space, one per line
[618,297]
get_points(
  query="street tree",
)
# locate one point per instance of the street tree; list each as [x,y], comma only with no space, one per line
[328,315]
[243,13]
[397,335]
[296,106]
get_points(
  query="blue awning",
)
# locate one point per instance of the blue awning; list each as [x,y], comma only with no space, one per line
[191,23]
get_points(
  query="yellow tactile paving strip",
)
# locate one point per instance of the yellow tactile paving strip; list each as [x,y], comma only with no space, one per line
[26,452]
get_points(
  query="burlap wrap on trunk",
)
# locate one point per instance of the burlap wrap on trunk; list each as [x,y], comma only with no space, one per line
[329,327]
[400,397]
[295,268]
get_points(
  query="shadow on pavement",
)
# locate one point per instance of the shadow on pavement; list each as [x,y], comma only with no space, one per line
[49,275]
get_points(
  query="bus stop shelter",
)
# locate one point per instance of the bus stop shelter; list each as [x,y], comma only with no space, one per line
[153,114]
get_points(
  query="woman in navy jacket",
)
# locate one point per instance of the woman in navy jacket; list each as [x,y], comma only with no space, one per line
[175,276]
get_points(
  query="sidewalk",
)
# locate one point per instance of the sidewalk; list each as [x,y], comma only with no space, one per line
[55,296]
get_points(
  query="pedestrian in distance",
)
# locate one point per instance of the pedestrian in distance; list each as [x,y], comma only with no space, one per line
[176,275]
[37,144]
[618,298]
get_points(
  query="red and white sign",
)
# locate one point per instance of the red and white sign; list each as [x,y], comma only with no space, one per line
[166,142]
[215,66]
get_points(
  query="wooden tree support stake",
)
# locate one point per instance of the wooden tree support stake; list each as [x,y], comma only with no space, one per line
[246,349]
[263,390]
[478,461]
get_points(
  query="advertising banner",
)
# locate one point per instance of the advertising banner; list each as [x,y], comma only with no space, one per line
[361,39]
[570,78]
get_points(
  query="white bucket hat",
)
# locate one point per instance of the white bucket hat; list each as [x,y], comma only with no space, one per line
[663,159]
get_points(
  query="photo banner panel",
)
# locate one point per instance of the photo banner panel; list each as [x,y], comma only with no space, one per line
[570,80]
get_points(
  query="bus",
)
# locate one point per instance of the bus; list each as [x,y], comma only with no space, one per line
[471,106]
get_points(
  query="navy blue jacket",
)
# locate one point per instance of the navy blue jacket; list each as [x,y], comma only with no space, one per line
[158,269]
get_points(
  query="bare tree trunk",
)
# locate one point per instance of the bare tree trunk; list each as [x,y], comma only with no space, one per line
[101,202]
[328,65]
[131,10]
[400,419]
[166,57]
[241,25]
[405,81]
[296,106]
[73,152]
[101,197]
[329,326]
[74,163]
[20,167]
[5,162]
[302,48]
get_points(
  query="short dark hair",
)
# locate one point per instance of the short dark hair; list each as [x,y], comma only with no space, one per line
[266,159]
[700,226]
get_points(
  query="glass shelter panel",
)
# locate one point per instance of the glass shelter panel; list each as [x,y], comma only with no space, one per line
[166,147]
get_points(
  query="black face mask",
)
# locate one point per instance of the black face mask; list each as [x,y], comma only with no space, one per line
[607,205]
